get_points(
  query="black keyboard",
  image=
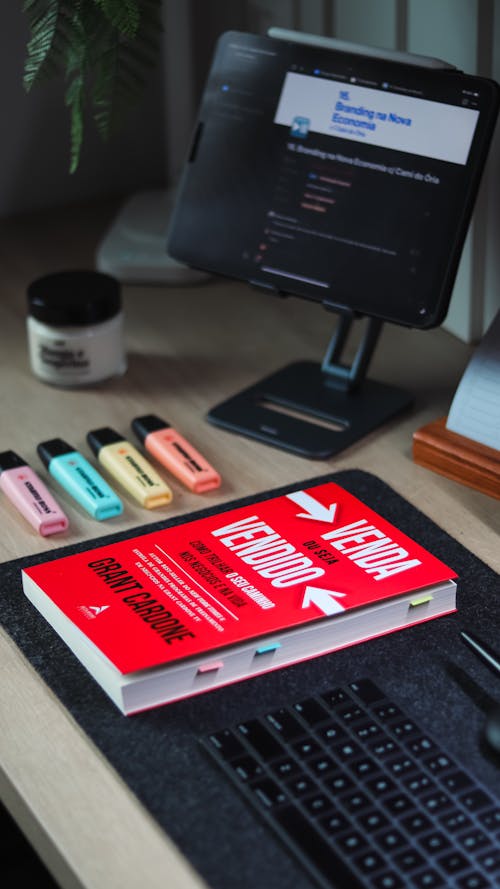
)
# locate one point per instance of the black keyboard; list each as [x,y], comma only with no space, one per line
[362,795]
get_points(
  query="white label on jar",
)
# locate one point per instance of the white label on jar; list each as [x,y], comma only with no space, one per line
[75,356]
[56,355]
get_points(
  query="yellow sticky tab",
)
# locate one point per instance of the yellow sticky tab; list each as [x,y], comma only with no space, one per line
[422,601]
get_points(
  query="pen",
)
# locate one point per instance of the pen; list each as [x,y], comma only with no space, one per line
[26,490]
[483,651]
[79,478]
[172,450]
[124,462]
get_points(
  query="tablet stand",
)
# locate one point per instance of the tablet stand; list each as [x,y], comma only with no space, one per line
[316,410]
[345,405]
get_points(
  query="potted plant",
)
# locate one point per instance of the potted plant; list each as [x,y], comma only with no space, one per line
[102,48]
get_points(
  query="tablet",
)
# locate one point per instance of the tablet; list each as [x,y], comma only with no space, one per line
[334,176]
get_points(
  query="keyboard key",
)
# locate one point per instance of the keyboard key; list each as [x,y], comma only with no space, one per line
[331,733]
[322,765]
[350,713]
[285,724]
[338,783]
[306,747]
[399,804]
[366,730]
[311,711]
[356,802]
[416,823]
[473,881]
[372,820]
[261,739]
[383,747]
[454,821]
[388,880]
[247,768]
[436,802]
[427,879]
[453,862]
[318,804]
[363,768]
[286,768]
[300,785]
[269,793]
[439,762]
[228,744]
[404,728]
[490,819]
[399,766]
[434,842]
[381,785]
[475,800]
[421,745]
[455,781]
[418,784]
[387,711]
[490,861]
[366,691]
[334,823]
[347,751]
[351,842]
[390,840]
[473,841]
[311,843]
[409,860]
[369,862]
[336,696]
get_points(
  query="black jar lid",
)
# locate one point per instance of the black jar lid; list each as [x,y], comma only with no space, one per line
[74,298]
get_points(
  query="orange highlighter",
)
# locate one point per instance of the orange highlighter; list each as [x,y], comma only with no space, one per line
[175,453]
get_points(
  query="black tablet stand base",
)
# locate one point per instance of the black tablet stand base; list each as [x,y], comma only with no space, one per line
[316,410]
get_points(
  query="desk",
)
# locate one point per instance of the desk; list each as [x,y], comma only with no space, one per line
[188,348]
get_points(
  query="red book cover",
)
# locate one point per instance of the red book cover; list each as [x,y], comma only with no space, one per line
[239,575]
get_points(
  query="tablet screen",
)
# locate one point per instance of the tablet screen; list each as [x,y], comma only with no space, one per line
[333,176]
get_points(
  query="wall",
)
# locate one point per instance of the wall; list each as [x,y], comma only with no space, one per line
[34,147]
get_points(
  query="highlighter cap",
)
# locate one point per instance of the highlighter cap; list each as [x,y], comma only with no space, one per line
[54,447]
[100,438]
[10,460]
[143,426]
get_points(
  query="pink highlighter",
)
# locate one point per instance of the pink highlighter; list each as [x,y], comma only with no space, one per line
[175,453]
[26,490]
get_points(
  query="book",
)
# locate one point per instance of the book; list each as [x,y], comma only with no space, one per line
[178,611]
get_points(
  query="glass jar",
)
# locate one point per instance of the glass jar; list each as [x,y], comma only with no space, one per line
[75,328]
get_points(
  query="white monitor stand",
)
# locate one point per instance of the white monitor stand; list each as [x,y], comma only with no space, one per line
[134,248]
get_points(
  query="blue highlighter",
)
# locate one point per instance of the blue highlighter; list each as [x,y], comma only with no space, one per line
[79,478]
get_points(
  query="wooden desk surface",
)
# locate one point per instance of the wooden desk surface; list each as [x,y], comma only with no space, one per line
[187,349]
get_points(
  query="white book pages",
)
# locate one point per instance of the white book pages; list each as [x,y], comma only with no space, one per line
[475,410]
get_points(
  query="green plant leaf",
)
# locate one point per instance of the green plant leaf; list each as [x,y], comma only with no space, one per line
[124,15]
[103,48]
[51,31]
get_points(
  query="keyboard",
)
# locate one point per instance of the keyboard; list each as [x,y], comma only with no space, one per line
[361,795]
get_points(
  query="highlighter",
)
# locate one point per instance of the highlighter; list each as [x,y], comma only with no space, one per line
[26,490]
[124,462]
[175,453]
[79,478]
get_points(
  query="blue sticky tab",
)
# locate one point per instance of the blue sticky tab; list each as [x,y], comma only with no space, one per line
[265,649]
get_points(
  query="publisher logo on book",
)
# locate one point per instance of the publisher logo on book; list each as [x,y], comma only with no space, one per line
[92,611]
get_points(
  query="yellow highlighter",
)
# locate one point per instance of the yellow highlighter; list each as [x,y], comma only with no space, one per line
[133,472]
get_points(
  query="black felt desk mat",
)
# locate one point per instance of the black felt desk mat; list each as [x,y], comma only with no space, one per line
[426,668]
